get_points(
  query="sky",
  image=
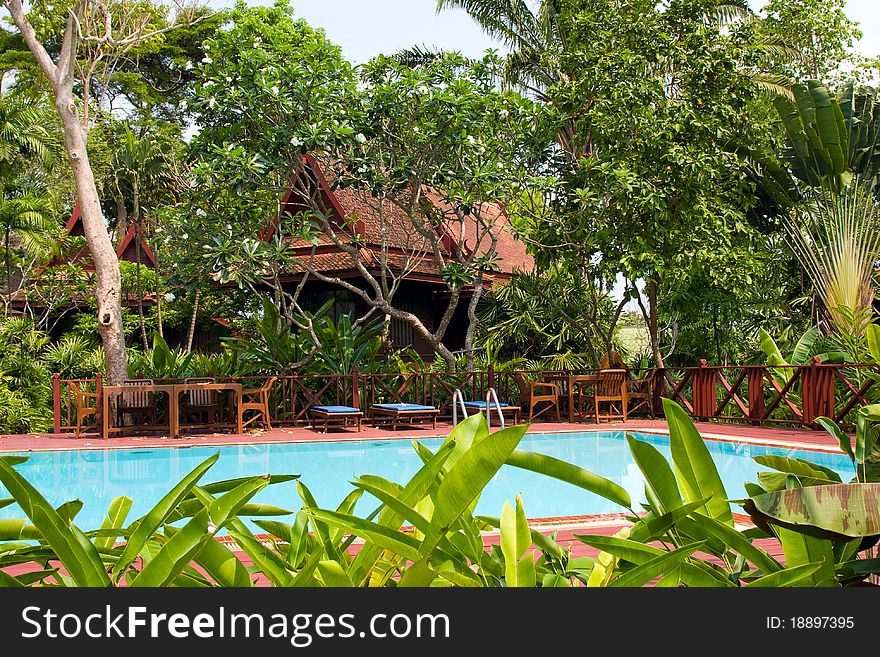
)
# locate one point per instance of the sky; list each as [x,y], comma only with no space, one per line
[365,28]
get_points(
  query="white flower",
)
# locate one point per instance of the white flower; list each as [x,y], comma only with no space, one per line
[228,79]
[212,102]
[188,66]
[504,113]
[209,83]
[228,226]
[359,138]
[185,236]
[471,139]
[274,89]
[183,104]
[296,141]
[207,60]
[169,296]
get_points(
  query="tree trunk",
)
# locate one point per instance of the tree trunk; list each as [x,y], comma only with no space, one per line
[652,323]
[108,282]
[107,278]
[121,219]
[159,300]
[136,218]
[472,324]
[192,322]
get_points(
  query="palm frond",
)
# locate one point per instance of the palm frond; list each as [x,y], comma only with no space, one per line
[773,85]
[727,12]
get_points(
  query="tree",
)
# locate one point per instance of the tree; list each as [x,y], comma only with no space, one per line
[822,34]
[26,213]
[106,31]
[426,148]
[662,198]
[144,168]
[549,317]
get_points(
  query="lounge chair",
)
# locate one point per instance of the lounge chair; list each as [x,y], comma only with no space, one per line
[408,414]
[337,415]
[474,407]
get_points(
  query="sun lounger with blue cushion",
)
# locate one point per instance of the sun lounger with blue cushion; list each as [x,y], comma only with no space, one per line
[338,415]
[480,407]
[408,414]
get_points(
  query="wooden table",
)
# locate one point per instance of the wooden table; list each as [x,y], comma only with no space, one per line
[109,391]
[173,391]
[572,381]
[235,388]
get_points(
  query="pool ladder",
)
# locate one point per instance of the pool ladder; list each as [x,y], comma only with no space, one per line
[491,398]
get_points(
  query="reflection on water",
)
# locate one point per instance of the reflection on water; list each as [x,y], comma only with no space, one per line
[145,475]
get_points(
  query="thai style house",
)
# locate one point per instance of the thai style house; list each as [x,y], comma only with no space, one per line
[63,278]
[388,244]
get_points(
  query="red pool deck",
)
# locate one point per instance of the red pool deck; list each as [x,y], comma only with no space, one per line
[777,437]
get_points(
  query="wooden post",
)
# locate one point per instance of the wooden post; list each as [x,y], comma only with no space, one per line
[355,376]
[56,403]
[704,391]
[99,405]
[818,391]
[491,372]
[658,388]
[756,395]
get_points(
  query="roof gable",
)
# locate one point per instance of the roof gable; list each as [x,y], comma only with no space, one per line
[382,223]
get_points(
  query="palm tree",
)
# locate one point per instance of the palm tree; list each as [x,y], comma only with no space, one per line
[836,238]
[141,162]
[23,132]
[25,212]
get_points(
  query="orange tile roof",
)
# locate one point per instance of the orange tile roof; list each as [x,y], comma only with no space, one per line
[383,223]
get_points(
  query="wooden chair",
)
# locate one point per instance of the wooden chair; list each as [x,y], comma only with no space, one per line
[641,390]
[541,392]
[257,399]
[609,388]
[201,402]
[86,405]
[140,403]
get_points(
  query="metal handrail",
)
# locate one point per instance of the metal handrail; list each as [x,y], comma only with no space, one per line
[491,394]
[457,395]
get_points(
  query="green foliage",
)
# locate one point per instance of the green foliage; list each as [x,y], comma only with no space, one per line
[423,533]
[547,316]
[161,361]
[821,33]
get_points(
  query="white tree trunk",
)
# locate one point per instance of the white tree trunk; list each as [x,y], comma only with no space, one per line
[108,282]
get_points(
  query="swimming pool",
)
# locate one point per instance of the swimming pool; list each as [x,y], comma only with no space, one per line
[145,475]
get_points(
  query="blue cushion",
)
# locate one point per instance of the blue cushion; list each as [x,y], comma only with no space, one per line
[479,404]
[336,409]
[405,407]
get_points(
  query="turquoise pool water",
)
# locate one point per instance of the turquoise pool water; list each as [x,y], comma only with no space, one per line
[145,475]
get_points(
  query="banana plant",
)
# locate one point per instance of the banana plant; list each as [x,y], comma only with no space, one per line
[153,552]
[423,532]
[817,515]
[800,354]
